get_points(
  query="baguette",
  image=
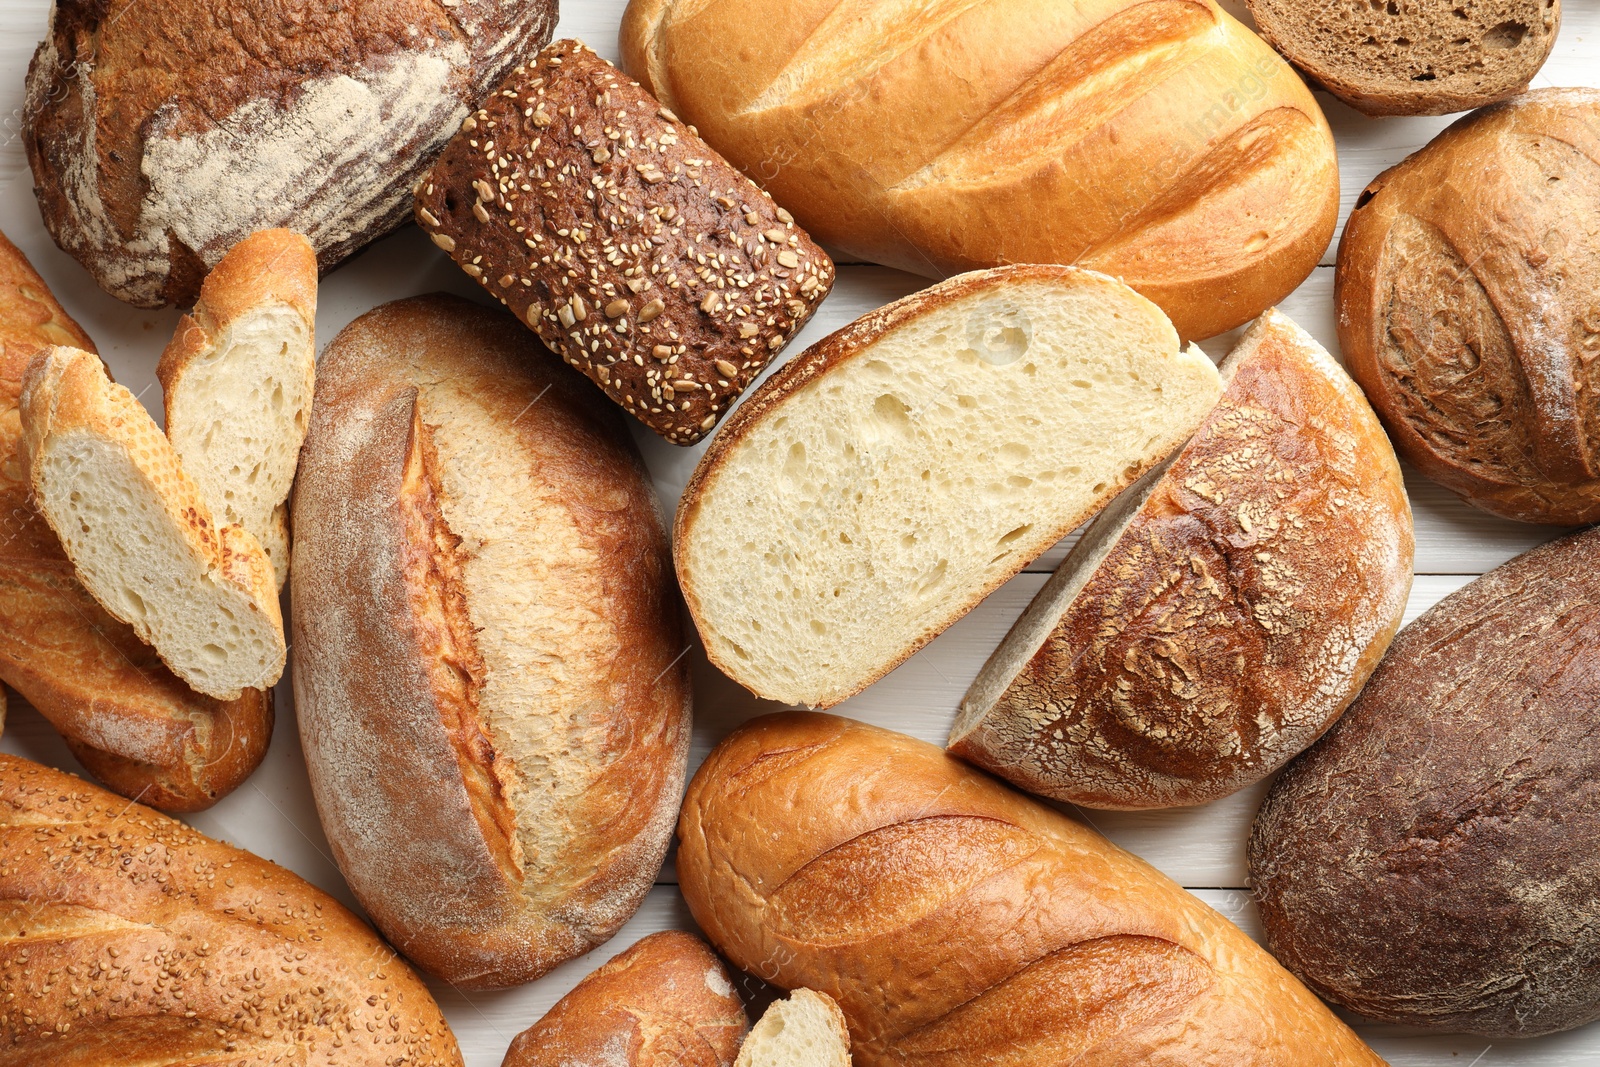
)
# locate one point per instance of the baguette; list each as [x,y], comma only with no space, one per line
[489,675]
[124,715]
[238,379]
[885,481]
[672,281]
[1212,624]
[807,1030]
[139,536]
[665,1002]
[959,924]
[128,938]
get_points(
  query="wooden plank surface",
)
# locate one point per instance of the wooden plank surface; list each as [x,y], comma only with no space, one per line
[1202,848]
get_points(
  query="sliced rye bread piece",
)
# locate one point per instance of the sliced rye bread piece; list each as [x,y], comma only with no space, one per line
[238,377]
[896,473]
[1414,57]
[807,1030]
[140,536]
[1217,618]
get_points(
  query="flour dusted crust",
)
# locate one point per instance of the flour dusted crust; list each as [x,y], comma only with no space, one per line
[620,237]
[490,679]
[159,142]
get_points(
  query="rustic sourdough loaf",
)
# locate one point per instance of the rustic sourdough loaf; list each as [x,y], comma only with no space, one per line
[159,142]
[141,539]
[665,1002]
[126,717]
[632,249]
[882,483]
[1160,142]
[1468,287]
[959,924]
[238,378]
[127,938]
[1212,624]
[1431,861]
[807,1030]
[1422,57]
[489,668]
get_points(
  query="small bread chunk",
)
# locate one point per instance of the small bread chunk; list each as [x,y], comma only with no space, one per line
[238,377]
[138,533]
[896,473]
[635,251]
[1414,57]
[807,1030]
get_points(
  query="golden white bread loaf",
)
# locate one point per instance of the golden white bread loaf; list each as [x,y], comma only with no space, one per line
[490,675]
[1159,142]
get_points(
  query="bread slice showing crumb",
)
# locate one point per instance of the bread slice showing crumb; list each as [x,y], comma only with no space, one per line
[807,1030]
[895,474]
[239,376]
[139,534]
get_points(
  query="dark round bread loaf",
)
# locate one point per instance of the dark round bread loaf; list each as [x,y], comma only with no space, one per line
[1433,860]
[159,141]
[1469,306]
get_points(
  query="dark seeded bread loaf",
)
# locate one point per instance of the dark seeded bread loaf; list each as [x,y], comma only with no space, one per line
[633,249]
[1414,57]
[1433,860]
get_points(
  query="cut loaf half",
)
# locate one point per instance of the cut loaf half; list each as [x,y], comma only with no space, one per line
[238,378]
[807,1030]
[892,476]
[139,534]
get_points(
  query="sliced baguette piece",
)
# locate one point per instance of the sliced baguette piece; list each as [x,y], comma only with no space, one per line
[891,477]
[1212,623]
[239,376]
[138,533]
[807,1030]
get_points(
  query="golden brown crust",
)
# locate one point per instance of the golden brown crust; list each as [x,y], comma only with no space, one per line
[430,413]
[665,1002]
[1471,331]
[125,934]
[1237,614]
[954,136]
[956,922]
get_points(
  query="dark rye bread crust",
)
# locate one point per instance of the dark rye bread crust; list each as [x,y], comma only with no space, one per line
[623,240]
[109,98]
[1474,332]
[1432,860]
[1414,57]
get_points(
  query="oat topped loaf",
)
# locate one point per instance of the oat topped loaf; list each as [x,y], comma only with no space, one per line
[633,250]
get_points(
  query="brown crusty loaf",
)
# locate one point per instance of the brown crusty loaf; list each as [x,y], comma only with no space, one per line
[665,1002]
[1162,143]
[633,249]
[126,937]
[1424,57]
[1432,860]
[959,924]
[1210,626]
[489,674]
[126,717]
[159,142]
[1468,282]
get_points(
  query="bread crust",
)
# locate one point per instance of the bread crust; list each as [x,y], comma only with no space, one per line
[956,922]
[126,717]
[412,754]
[160,142]
[1429,862]
[1232,619]
[125,936]
[1471,332]
[955,136]
[672,285]
[665,1002]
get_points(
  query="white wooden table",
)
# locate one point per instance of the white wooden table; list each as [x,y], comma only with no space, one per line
[1203,848]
